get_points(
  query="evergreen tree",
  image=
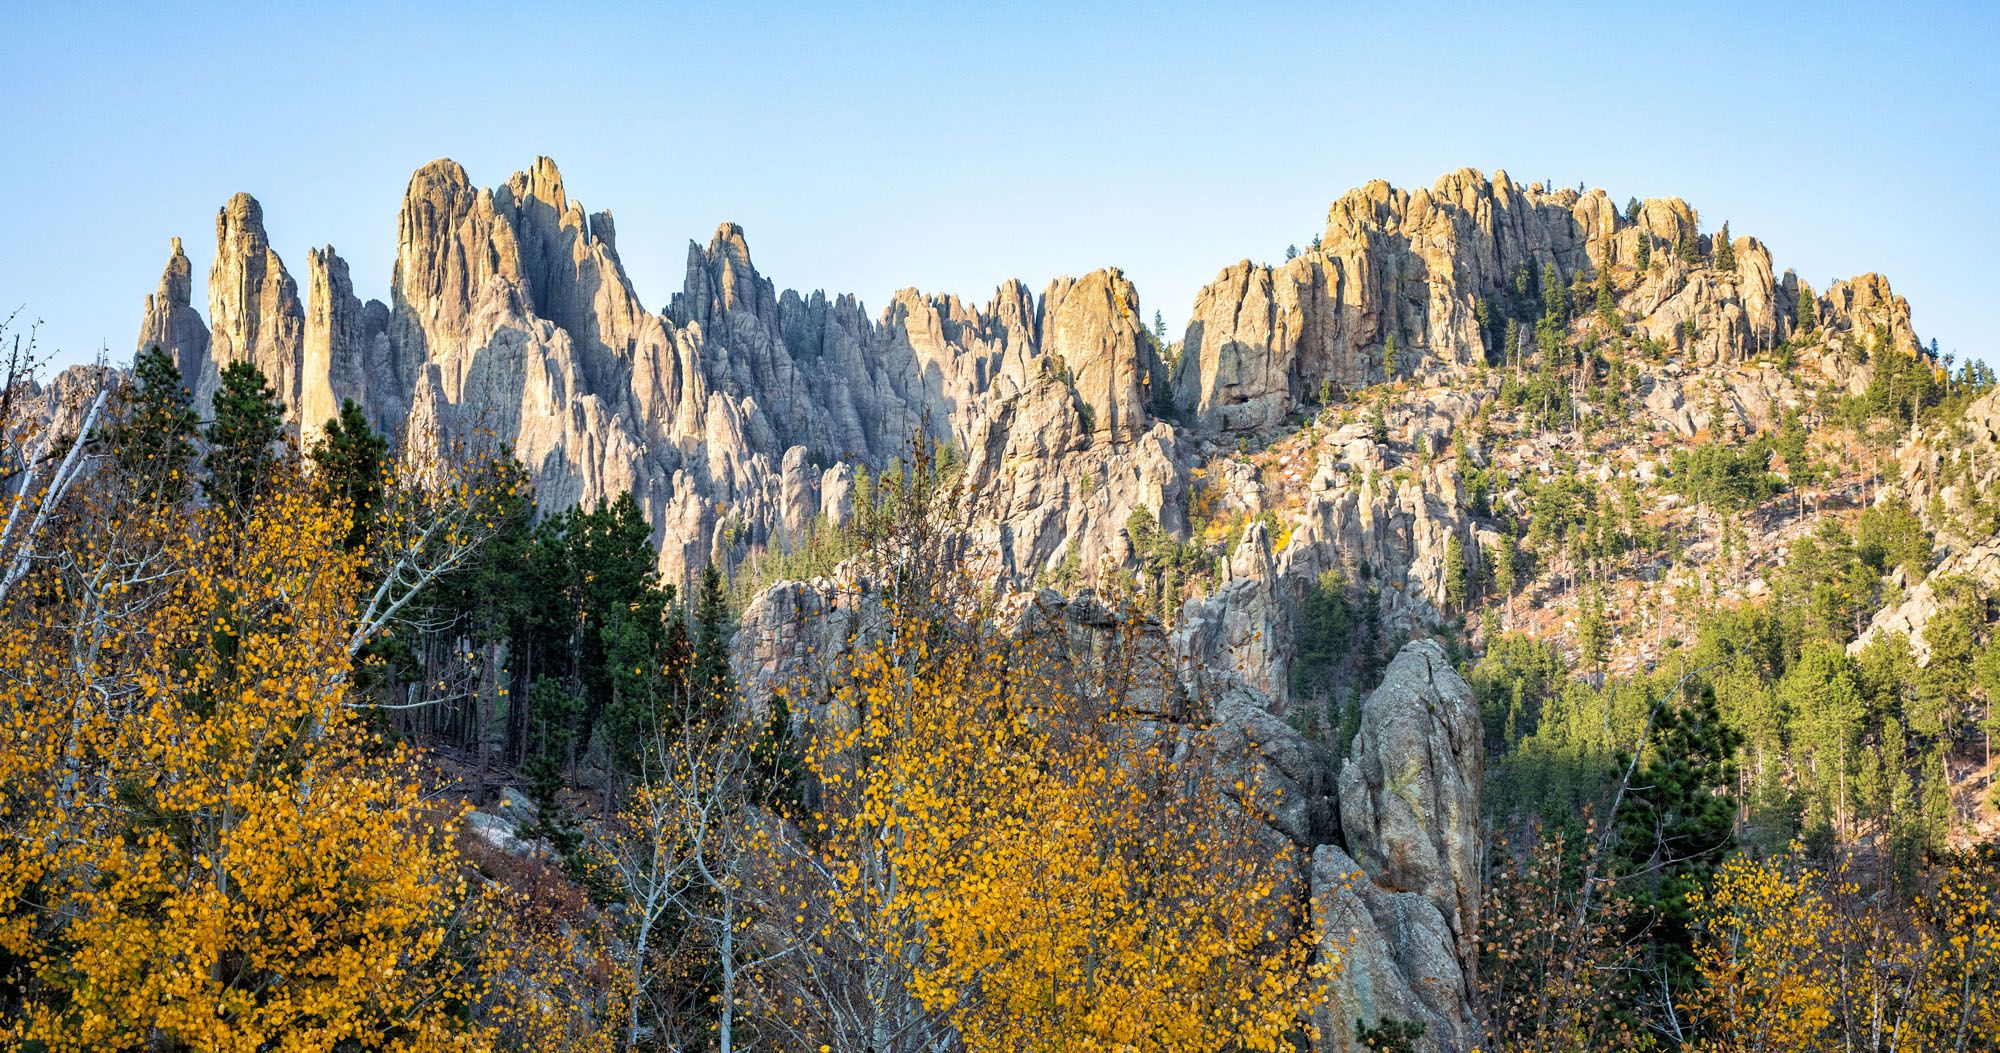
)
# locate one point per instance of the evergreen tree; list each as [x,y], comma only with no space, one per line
[1389,357]
[1645,250]
[1677,822]
[1725,252]
[1502,560]
[1489,321]
[1555,298]
[1291,253]
[775,765]
[713,628]
[1632,209]
[1937,810]
[1593,634]
[1326,634]
[1805,313]
[1687,246]
[622,661]
[1456,585]
[350,458]
[1822,700]
[592,621]
[155,441]
[242,439]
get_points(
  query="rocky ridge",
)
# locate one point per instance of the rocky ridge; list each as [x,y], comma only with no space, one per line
[740,414]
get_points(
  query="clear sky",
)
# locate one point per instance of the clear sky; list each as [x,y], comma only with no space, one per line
[869,147]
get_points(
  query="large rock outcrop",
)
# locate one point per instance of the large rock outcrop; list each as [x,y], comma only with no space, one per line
[510,315]
[173,325]
[254,313]
[347,353]
[1405,883]
[730,415]
[1412,269]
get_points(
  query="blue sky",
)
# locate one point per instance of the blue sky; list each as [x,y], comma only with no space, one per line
[869,147]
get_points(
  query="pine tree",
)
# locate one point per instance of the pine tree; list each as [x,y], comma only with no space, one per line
[1389,357]
[1677,821]
[1687,246]
[1632,209]
[1645,250]
[1555,298]
[775,764]
[711,679]
[1326,634]
[1502,559]
[1455,575]
[1488,319]
[350,458]
[1725,252]
[1291,253]
[1593,634]
[242,439]
[155,442]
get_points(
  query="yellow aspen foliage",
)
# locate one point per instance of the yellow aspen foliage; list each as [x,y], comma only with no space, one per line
[1796,958]
[199,847]
[546,970]
[1766,984]
[1036,863]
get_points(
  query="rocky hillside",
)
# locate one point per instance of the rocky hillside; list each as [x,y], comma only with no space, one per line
[1446,377]
[736,415]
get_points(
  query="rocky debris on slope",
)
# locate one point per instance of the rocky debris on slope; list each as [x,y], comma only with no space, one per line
[1947,477]
[504,834]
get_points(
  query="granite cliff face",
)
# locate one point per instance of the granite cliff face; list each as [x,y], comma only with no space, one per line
[1413,268]
[735,415]
[173,325]
[731,414]
[254,313]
